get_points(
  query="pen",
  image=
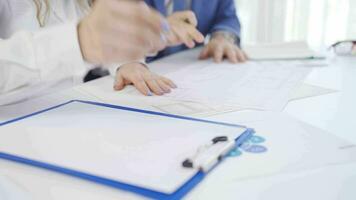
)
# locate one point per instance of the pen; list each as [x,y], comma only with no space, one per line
[212,154]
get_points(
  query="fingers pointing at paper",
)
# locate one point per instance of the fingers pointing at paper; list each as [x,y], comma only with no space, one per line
[183,29]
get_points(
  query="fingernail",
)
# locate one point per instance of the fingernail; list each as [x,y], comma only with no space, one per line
[165,27]
[164,38]
[149,93]
[165,30]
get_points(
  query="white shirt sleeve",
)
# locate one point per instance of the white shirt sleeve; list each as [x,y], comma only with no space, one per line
[46,56]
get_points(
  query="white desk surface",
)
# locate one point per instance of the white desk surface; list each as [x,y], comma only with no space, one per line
[333,112]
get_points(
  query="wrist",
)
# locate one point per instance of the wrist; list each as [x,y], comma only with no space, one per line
[133,63]
[225,36]
[89,52]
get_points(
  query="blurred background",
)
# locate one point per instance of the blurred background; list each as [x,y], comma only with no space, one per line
[319,22]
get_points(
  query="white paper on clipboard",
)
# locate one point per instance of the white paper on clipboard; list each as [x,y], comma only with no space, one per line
[136,148]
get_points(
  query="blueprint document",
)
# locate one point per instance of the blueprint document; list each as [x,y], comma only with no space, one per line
[253,85]
[101,90]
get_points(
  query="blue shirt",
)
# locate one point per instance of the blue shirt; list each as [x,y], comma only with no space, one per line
[212,16]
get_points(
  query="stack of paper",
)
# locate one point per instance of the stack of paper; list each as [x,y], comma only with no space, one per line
[279,51]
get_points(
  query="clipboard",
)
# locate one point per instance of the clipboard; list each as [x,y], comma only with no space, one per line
[16,151]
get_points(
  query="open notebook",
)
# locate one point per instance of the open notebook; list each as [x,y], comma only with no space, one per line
[130,149]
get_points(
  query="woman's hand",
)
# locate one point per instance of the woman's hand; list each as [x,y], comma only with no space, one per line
[144,80]
[183,29]
[119,31]
[220,48]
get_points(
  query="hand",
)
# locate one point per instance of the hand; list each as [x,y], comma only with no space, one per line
[183,29]
[118,31]
[220,48]
[144,80]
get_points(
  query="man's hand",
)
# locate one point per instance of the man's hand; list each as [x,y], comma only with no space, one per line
[183,29]
[144,80]
[118,31]
[219,48]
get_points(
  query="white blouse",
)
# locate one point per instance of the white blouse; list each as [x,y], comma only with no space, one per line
[32,59]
